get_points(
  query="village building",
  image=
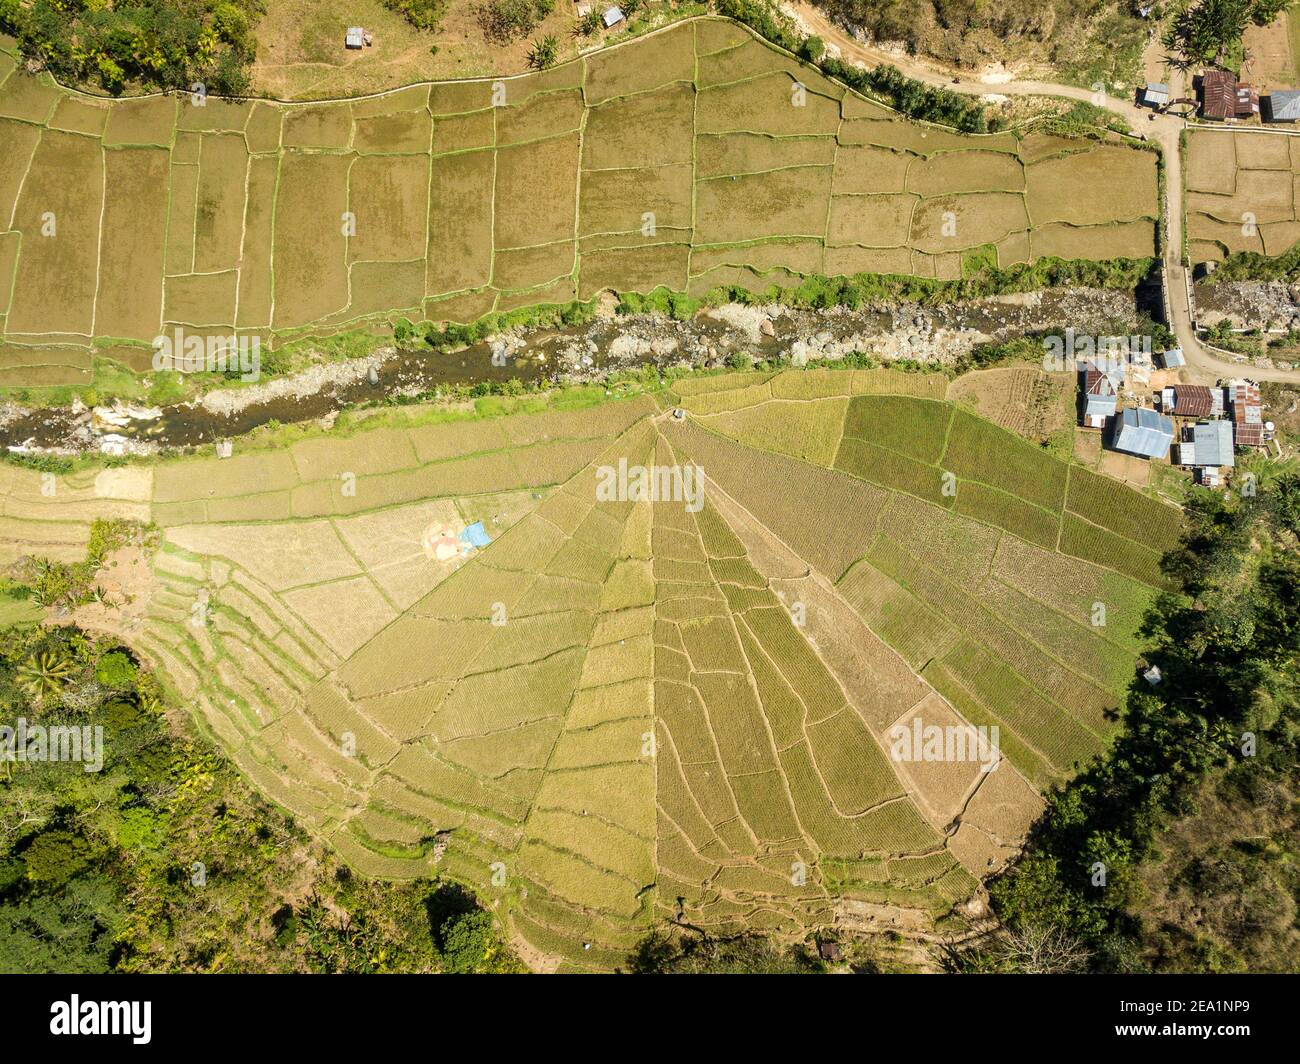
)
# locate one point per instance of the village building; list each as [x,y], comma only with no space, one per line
[1100,396]
[356,37]
[1143,432]
[1173,358]
[1207,445]
[1192,400]
[612,17]
[1223,98]
[1281,105]
[830,952]
[1247,413]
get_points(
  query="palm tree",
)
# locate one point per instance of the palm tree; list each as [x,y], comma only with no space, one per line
[44,673]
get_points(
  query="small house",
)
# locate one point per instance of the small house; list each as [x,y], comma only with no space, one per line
[1191,400]
[1283,105]
[1141,431]
[1207,444]
[1173,358]
[1156,95]
[1247,102]
[612,17]
[1224,98]
[1218,95]
[1247,413]
[830,952]
[356,37]
[1099,398]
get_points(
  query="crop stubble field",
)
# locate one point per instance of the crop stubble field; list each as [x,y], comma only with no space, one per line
[1241,193]
[695,157]
[620,712]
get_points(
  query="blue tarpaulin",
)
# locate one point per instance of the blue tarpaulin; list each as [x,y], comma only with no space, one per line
[475,535]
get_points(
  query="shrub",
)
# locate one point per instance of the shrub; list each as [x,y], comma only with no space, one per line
[466,941]
[544,52]
[116,669]
[508,20]
[422,14]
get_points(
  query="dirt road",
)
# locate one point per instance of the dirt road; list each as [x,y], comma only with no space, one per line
[1164,130]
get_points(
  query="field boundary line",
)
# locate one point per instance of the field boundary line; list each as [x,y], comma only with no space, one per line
[828,587]
[1006,663]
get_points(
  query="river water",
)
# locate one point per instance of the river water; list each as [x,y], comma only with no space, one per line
[590,352]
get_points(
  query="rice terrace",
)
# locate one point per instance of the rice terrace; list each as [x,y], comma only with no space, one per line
[621,711]
[727,647]
[697,157]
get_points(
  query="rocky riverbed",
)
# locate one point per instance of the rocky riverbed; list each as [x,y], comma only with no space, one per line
[933,335]
[1268,305]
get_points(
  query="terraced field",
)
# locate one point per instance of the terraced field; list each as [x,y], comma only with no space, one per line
[694,157]
[619,711]
[1241,193]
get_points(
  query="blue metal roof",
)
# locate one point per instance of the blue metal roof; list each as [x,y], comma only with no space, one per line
[1099,405]
[1213,443]
[1284,105]
[1141,431]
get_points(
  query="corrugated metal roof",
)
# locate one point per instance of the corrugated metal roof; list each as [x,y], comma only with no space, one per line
[1213,443]
[1141,431]
[1249,435]
[1195,400]
[1284,106]
[1099,406]
[1097,383]
[1173,357]
[1218,94]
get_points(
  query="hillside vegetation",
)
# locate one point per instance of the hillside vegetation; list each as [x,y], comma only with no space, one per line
[163,44]
[1083,40]
[1177,851]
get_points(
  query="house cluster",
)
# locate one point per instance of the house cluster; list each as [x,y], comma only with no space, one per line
[1193,425]
[1222,98]
[1214,422]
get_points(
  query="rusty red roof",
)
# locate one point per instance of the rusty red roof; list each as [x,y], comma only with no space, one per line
[1218,94]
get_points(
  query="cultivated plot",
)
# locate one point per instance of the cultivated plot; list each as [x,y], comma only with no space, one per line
[1241,193]
[460,648]
[694,158]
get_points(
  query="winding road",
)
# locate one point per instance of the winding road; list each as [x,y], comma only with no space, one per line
[1206,363]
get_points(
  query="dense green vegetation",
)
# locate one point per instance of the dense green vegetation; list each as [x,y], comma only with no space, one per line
[1209,31]
[422,14]
[1252,266]
[164,858]
[665,953]
[1177,851]
[161,44]
[508,20]
[818,292]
